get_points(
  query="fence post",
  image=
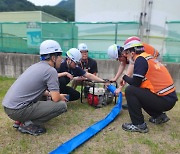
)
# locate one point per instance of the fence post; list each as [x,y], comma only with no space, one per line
[73,25]
[1,37]
[116,30]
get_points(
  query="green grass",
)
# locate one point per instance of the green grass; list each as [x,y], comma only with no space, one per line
[161,139]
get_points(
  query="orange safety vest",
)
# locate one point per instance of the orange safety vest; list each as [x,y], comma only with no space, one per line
[157,79]
[150,50]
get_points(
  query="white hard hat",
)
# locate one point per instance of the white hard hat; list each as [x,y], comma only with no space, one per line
[82,47]
[49,46]
[113,51]
[133,41]
[74,54]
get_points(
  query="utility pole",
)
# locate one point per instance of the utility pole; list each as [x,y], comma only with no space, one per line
[148,28]
[145,20]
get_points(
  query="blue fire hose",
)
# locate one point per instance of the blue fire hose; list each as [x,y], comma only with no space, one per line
[76,141]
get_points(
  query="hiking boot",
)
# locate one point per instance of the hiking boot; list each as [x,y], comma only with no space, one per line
[16,124]
[32,129]
[125,106]
[160,119]
[135,128]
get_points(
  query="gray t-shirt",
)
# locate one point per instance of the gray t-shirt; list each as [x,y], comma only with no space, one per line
[30,86]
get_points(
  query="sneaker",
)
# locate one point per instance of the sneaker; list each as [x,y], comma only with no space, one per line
[16,124]
[160,119]
[32,129]
[125,106]
[135,128]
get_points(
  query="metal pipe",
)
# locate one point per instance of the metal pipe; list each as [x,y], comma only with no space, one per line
[150,3]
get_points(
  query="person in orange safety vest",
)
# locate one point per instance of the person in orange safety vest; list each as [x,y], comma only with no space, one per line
[150,88]
[115,52]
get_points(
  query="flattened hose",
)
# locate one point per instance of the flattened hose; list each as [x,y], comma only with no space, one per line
[81,138]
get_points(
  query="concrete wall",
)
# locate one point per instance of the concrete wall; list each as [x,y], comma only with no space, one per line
[12,65]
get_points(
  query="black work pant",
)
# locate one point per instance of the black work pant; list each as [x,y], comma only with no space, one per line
[64,89]
[138,98]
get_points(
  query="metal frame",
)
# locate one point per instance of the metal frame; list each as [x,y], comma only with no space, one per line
[93,85]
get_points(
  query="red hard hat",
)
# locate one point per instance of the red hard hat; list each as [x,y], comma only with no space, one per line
[132,41]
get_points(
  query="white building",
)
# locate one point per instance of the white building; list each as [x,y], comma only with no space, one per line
[153,15]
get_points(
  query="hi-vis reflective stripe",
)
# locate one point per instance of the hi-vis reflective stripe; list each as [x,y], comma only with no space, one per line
[148,57]
[144,79]
[165,89]
[138,75]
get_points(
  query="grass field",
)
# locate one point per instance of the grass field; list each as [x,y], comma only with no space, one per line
[161,139]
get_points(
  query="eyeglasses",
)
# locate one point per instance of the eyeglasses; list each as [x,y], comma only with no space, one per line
[77,63]
[58,54]
[84,51]
[126,52]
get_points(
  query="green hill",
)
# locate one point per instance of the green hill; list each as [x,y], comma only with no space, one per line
[68,5]
[63,10]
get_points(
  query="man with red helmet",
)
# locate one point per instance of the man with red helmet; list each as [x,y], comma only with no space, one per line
[147,89]
[115,52]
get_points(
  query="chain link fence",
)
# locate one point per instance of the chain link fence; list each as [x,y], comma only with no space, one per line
[25,37]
